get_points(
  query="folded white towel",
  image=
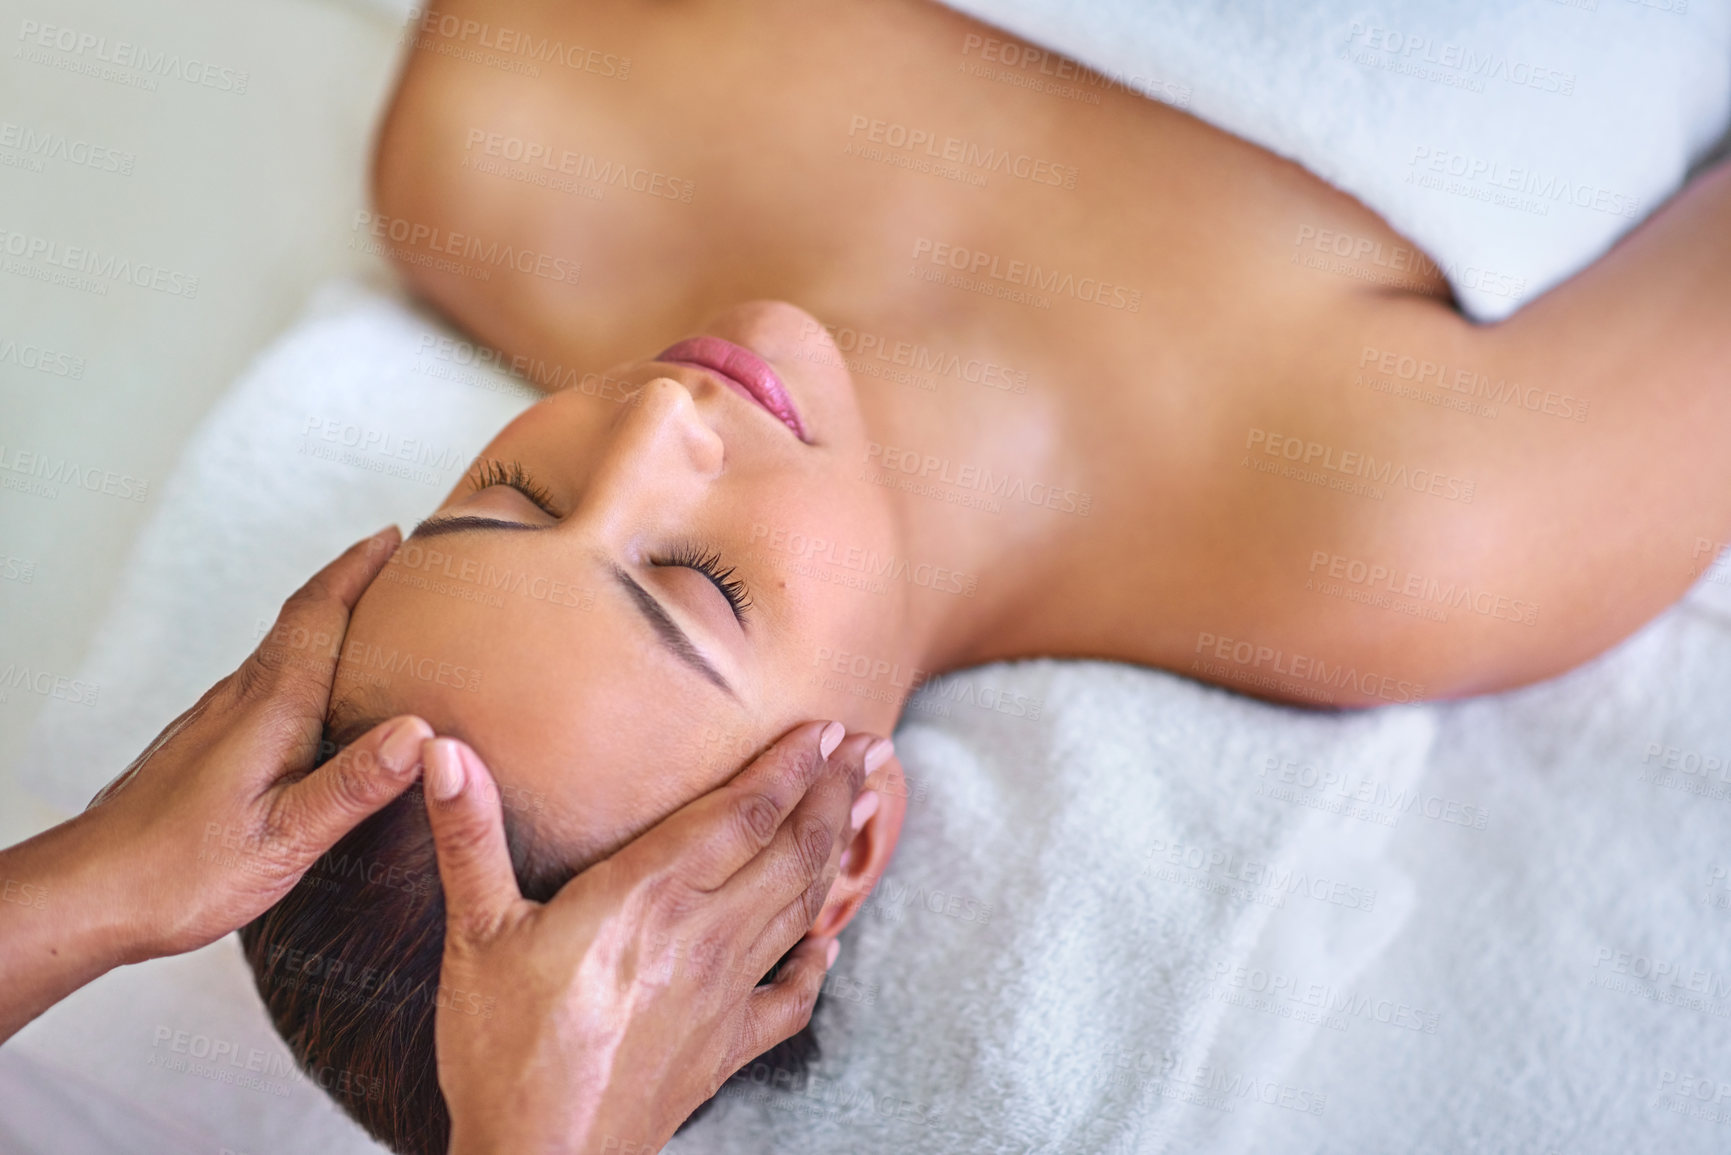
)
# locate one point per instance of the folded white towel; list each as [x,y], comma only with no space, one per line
[1514,142]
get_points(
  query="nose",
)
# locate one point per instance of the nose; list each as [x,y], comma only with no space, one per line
[661,459]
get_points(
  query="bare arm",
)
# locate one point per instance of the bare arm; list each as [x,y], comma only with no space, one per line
[1591,428]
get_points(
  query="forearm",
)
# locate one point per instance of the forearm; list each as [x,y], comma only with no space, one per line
[63,921]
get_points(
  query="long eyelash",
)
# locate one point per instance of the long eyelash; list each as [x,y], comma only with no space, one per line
[511,474]
[708,563]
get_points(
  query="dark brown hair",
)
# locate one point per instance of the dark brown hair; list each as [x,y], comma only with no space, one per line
[348,966]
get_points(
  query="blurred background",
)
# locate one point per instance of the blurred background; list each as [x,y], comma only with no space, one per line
[248,182]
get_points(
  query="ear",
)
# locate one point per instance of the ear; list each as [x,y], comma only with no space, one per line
[865,858]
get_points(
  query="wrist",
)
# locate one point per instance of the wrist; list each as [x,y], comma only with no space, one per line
[93,887]
[62,924]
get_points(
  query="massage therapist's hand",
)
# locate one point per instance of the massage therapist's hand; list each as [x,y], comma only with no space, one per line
[600,1020]
[215,821]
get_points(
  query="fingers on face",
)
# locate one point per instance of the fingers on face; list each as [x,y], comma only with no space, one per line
[771,1014]
[464,810]
[778,894]
[325,805]
[730,826]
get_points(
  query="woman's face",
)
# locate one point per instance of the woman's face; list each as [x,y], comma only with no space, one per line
[627,600]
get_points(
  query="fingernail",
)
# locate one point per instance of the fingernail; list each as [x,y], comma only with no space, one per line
[878,754]
[401,749]
[864,807]
[444,770]
[834,949]
[831,738]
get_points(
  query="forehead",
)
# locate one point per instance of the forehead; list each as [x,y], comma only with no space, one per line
[550,675]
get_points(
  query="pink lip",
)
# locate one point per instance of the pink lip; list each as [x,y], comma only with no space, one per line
[740,370]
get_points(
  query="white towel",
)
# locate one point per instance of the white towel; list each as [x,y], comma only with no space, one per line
[1551,894]
[1088,847]
[1513,141]
[1050,963]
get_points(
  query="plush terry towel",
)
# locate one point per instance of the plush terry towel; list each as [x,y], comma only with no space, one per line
[1513,141]
[1130,913]
[1078,948]
[1093,857]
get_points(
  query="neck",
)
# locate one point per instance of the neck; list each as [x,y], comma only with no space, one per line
[966,467]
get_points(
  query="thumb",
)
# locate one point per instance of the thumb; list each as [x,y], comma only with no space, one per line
[369,772]
[468,824]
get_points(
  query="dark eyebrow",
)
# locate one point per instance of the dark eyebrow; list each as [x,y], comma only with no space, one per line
[434,526]
[674,638]
[667,629]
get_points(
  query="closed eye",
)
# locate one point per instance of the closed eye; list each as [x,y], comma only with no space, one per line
[512,475]
[709,564]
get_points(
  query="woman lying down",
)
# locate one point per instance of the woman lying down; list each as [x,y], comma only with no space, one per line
[904,420]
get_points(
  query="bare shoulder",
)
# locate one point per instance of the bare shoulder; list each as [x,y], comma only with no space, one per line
[1448,508]
[512,183]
